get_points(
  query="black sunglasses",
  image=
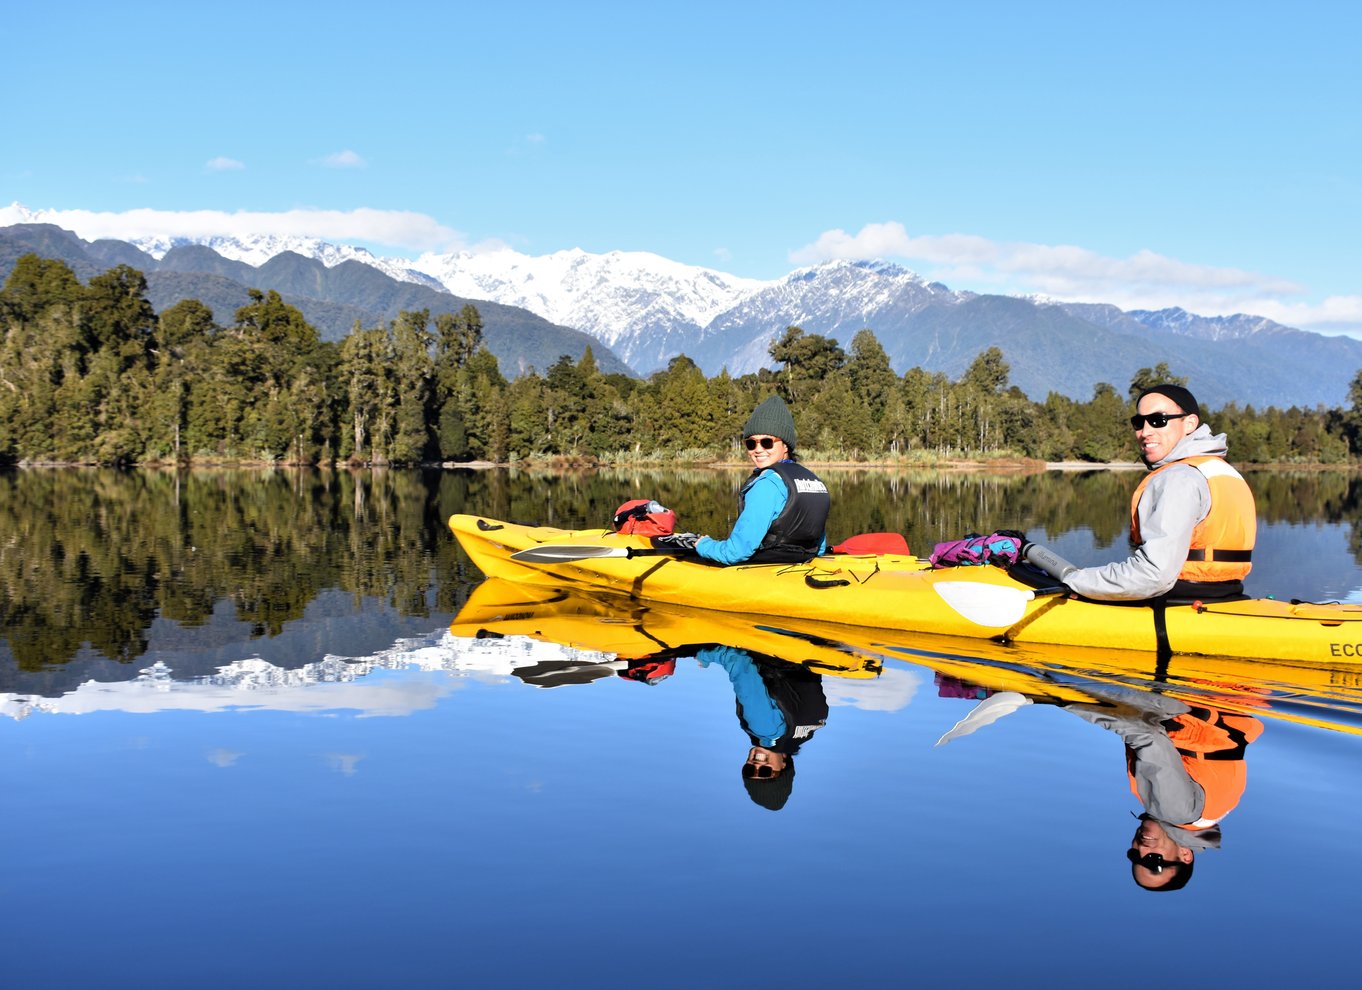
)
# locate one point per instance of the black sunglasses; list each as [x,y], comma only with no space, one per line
[759,770]
[1156,420]
[766,442]
[1151,861]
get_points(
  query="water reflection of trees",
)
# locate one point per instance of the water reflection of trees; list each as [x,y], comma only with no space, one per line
[89,558]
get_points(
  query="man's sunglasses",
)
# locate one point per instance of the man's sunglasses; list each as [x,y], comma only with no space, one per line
[1151,861]
[1156,420]
[766,442]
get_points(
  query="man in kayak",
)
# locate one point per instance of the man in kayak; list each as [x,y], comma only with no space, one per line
[1192,519]
[782,507]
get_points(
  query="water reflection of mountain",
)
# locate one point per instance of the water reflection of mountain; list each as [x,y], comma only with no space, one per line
[332,623]
[215,668]
[330,684]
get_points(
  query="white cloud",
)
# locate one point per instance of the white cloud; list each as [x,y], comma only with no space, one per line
[1144,280]
[1341,313]
[394,228]
[223,164]
[344,159]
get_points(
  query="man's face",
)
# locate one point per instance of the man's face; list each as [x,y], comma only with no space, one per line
[1157,442]
[1152,842]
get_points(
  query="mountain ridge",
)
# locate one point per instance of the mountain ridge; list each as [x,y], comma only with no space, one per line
[641,310]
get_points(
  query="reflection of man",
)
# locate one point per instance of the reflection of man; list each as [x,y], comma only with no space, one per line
[1186,765]
[780,706]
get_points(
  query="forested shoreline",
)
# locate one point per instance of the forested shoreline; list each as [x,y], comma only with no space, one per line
[91,374]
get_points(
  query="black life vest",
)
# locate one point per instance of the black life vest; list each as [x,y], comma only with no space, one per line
[796,535]
[798,693]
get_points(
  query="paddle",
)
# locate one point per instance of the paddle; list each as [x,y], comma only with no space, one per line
[985,713]
[556,553]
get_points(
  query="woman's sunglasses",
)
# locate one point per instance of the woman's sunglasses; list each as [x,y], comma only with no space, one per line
[1156,420]
[761,771]
[766,442]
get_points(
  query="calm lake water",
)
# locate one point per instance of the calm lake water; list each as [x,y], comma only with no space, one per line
[273,730]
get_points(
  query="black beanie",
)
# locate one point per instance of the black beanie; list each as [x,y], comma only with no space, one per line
[772,419]
[1184,399]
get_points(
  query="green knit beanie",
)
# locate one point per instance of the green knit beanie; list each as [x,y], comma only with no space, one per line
[772,419]
[771,792]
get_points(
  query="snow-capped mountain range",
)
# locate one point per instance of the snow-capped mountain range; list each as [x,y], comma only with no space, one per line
[646,310]
[255,251]
[629,300]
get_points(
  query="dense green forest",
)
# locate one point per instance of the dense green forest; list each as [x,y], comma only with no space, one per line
[90,373]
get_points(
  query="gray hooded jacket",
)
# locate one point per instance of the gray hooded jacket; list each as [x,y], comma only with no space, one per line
[1172,505]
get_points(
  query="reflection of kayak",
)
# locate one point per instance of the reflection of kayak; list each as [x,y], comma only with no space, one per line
[629,630]
[1324,694]
[905,593]
[617,626]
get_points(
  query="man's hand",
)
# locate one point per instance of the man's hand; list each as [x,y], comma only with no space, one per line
[680,542]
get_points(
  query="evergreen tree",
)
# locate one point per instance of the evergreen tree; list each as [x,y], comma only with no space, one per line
[839,420]
[685,419]
[871,376]
[808,359]
[1149,377]
[1103,432]
[413,373]
[365,362]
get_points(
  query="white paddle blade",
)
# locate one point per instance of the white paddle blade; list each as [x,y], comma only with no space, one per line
[549,553]
[985,713]
[985,604]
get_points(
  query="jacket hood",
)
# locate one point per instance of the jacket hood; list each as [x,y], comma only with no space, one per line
[1199,442]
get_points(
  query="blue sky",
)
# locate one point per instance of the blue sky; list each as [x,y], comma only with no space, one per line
[1207,155]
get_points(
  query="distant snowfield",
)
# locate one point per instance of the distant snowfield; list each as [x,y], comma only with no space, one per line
[603,294]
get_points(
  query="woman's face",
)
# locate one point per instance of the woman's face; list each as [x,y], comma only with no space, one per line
[766,450]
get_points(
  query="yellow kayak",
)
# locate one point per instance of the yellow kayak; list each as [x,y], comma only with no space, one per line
[902,592]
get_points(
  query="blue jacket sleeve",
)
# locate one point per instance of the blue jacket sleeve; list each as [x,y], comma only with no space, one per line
[763,718]
[764,502]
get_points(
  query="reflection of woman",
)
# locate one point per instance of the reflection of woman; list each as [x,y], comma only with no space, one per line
[780,706]
[783,506]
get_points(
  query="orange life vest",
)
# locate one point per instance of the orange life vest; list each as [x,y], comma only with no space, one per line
[1211,744]
[1223,541]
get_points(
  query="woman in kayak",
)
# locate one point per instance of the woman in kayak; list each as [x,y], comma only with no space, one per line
[782,507]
